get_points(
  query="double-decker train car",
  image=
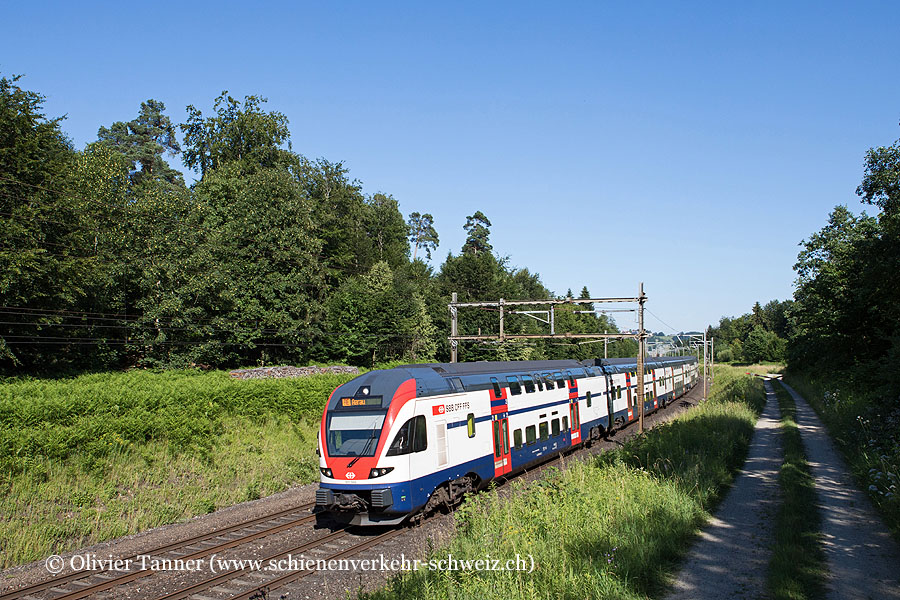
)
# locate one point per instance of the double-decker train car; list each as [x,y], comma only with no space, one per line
[404,441]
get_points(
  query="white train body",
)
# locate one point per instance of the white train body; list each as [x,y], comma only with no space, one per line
[396,442]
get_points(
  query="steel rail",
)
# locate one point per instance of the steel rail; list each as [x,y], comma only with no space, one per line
[283,580]
[78,575]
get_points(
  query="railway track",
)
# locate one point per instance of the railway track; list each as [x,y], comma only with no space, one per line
[86,583]
[258,585]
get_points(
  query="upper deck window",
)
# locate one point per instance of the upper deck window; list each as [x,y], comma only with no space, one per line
[529,384]
[498,393]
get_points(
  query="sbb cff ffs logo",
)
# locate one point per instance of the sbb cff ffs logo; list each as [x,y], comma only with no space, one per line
[438,410]
[351,475]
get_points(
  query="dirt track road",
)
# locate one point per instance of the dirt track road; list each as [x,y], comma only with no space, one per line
[863,559]
[730,560]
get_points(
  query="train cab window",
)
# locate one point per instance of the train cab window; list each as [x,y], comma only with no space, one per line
[571,378]
[412,437]
[548,379]
[545,431]
[498,393]
[515,388]
[530,437]
[470,424]
[539,382]
[565,423]
[588,396]
[560,382]
[517,438]
[529,384]
[554,425]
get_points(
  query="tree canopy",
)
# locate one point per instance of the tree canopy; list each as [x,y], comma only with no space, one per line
[108,260]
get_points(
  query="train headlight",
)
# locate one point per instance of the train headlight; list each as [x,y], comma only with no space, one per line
[379,472]
[326,472]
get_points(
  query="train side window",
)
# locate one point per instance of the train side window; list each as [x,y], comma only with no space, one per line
[515,388]
[529,384]
[420,437]
[498,393]
[470,424]
[504,432]
[530,437]
[545,431]
[588,395]
[412,437]
[619,392]
[401,443]
[549,381]
[539,382]
[517,438]
[554,424]
[565,423]
[560,382]
[497,439]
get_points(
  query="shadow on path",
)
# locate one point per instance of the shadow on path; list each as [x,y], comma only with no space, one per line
[863,560]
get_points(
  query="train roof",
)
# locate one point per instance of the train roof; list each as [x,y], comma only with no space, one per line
[530,366]
[443,378]
[494,366]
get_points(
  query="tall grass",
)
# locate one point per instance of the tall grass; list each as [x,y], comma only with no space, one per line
[99,456]
[611,527]
[797,566]
[866,428]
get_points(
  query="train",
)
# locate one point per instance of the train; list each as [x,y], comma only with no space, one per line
[399,443]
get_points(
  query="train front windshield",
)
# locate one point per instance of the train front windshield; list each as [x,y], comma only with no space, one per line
[354,434]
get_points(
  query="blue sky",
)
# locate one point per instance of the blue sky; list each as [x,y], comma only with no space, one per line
[690,146]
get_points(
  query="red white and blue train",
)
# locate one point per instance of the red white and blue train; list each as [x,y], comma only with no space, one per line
[405,441]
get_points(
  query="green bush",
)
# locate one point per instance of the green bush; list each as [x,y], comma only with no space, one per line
[94,415]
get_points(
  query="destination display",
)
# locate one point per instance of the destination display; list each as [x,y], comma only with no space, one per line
[365,401]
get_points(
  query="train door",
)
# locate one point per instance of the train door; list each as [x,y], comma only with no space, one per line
[628,394]
[610,396]
[655,395]
[574,412]
[575,418]
[502,461]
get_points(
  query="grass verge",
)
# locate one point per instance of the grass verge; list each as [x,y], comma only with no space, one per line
[797,566]
[99,456]
[610,527]
[866,428]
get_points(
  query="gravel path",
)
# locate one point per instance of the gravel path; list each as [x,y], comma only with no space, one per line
[731,557]
[863,560]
